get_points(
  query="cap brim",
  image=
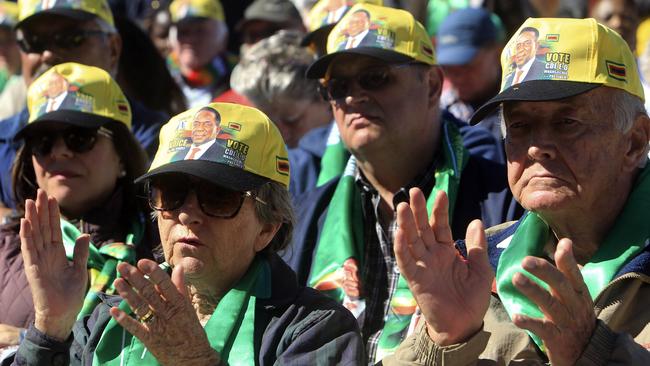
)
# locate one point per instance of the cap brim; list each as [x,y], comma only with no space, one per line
[533,91]
[456,55]
[66,12]
[217,173]
[74,118]
[319,33]
[318,69]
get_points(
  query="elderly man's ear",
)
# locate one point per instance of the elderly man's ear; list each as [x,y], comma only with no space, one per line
[639,140]
[434,76]
[266,234]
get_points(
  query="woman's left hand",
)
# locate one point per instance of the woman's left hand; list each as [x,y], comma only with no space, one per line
[168,325]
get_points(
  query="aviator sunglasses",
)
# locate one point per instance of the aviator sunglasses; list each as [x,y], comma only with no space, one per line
[372,79]
[66,40]
[168,193]
[77,139]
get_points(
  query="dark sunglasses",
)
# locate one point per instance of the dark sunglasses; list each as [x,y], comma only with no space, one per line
[371,79]
[67,40]
[77,139]
[168,193]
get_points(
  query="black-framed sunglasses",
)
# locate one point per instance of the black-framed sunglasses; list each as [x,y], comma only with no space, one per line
[168,192]
[77,139]
[67,40]
[371,79]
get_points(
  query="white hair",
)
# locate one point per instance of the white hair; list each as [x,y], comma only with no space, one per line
[275,66]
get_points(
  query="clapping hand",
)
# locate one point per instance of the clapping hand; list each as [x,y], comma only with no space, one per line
[569,318]
[167,323]
[58,286]
[452,292]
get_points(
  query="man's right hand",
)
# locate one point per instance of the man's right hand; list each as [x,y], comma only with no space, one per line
[58,287]
[452,292]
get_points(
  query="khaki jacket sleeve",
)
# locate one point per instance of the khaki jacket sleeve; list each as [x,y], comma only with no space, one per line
[608,348]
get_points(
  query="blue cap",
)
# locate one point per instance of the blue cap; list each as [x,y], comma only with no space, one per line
[464,32]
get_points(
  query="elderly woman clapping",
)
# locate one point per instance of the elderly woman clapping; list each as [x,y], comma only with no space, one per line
[222,214]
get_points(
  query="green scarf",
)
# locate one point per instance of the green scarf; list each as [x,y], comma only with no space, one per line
[342,240]
[102,262]
[334,158]
[230,330]
[625,240]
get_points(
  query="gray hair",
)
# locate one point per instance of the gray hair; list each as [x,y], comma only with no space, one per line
[278,209]
[104,26]
[275,66]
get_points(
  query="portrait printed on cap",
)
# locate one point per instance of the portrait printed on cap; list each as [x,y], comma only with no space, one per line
[205,136]
[58,93]
[361,30]
[532,56]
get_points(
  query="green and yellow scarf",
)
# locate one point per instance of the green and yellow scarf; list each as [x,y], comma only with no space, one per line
[342,238]
[626,239]
[230,330]
[102,262]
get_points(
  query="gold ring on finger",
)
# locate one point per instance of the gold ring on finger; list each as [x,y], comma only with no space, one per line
[147,317]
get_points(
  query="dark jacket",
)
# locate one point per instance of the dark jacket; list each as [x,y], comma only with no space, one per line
[295,326]
[105,225]
[305,159]
[483,194]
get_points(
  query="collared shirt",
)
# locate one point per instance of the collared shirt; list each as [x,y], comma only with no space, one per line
[524,71]
[380,273]
[54,104]
[202,149]
[355,40]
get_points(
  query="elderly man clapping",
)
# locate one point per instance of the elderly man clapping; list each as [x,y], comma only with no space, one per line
[572,283]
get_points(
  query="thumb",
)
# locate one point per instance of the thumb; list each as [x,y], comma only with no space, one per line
[477,248]
[81,252]
[178,279]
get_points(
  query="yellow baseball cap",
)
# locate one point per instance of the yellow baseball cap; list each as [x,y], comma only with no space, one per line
[242,153]
[76,9]
[556,58]
[8,13]
[76,94]
[184,9]
[324,15]
[391,35]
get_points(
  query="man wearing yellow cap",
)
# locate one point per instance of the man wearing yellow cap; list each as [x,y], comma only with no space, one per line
[572,278]
[385,98]
[199,40]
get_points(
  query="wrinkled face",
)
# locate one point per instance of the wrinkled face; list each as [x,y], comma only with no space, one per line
[478,80]
[621,16]
[358,23]
[198,43]
[563,156]
[214,251]
[100,50]
[382,118]
[526,47]
[204,127]
[79,181]
[295,117]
